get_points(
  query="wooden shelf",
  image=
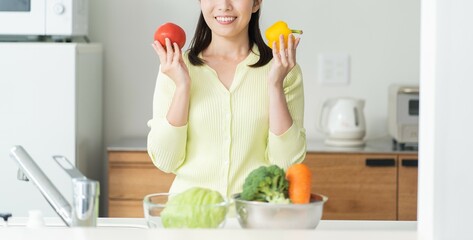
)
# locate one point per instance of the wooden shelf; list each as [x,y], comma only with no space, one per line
[359,186]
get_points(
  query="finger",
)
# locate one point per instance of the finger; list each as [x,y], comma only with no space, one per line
[282,51]
[169,50]
[294,50]
[281,43]
[158,48]
[298,40]
[177,53]
[275,52]
[291,55]
[290,41]
[290,48]
[155,47]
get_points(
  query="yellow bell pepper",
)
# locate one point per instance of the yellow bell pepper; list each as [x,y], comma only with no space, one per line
[278,28]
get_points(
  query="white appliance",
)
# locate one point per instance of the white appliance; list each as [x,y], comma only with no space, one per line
[51,104]
[343,121]
[403,114]
[44,17]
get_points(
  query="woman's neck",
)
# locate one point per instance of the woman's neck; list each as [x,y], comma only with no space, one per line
[228,48]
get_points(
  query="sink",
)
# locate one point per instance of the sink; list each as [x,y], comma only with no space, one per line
[56,222]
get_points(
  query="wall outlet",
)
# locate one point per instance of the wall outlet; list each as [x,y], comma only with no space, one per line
[334,69]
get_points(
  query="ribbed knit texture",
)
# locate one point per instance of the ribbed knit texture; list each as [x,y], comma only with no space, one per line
[227,135]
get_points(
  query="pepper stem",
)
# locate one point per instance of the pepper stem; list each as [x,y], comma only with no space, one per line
[296,31]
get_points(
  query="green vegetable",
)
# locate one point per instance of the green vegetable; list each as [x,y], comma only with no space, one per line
[266,184]
[194,208]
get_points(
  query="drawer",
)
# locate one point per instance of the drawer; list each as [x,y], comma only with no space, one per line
[132,175]
[407,188]
[134,182]
[359,187]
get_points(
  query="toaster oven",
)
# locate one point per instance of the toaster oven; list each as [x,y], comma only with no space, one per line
[403,114]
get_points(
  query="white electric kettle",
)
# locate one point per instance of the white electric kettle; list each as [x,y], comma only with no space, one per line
[343,121]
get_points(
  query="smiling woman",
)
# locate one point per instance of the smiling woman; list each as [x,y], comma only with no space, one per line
[228,105]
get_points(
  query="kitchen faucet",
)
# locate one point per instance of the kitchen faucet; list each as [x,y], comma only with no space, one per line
[84,209]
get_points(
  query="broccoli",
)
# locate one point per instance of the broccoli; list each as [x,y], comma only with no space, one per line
[266,184]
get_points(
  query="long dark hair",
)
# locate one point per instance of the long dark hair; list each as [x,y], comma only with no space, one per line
[203,37]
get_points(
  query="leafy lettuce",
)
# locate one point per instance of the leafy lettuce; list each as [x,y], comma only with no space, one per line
[195,208]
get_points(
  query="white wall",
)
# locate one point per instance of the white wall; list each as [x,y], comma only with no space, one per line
[445,159]
[381,36]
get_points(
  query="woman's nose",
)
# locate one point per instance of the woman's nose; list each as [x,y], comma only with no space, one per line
[225,5]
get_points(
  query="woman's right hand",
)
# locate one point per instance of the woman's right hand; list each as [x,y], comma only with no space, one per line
[172,63]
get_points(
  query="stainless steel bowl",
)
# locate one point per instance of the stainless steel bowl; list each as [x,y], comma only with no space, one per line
[252,214]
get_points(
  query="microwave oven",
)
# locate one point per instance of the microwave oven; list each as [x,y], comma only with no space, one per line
[403,114]
[32,18]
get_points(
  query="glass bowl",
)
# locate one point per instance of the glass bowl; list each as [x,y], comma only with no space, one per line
[253,214]
[159,214]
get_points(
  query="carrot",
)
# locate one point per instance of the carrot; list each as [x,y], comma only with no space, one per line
[299,177]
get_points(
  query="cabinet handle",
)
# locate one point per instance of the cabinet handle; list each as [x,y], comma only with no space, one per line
[384,162]
[410,163]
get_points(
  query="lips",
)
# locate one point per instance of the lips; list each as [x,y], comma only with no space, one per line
[225,20]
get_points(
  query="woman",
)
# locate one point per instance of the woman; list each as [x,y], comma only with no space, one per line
[228,105]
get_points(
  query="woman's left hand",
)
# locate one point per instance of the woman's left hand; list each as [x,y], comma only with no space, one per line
[284,59]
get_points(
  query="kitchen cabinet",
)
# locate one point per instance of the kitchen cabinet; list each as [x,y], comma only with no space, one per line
[359,186]
[407,187]
[366,186]
[131,176]
[374,183]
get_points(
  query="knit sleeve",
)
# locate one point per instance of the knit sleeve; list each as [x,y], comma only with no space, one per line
[166,143]
[290,147]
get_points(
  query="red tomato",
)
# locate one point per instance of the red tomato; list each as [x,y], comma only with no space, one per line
[173,32]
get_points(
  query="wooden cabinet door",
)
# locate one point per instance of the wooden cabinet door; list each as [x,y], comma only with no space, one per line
[407,187]
[131,176]
[358,186]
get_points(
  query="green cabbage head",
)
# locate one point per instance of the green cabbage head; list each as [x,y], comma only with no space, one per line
[194,208]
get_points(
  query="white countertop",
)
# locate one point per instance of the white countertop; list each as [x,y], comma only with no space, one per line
[381,145]
[134,228]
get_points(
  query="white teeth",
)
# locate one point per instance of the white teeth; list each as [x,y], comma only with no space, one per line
[225,19]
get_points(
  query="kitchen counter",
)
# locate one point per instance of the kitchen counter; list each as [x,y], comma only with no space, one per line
[382,145]
[117,229]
